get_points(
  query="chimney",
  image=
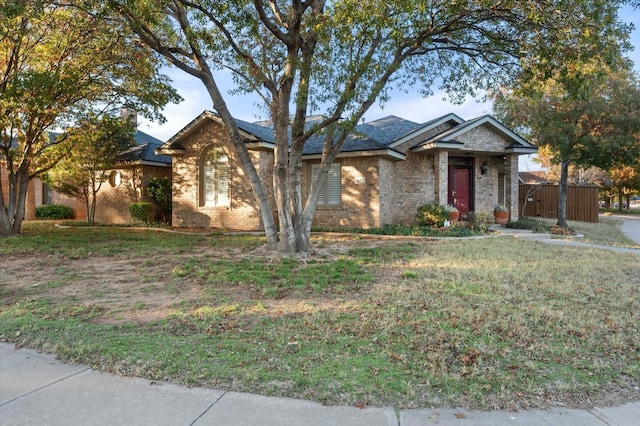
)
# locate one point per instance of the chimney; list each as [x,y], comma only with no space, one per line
[129,114]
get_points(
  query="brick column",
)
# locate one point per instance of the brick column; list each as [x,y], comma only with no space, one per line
[511,185]
[441,169]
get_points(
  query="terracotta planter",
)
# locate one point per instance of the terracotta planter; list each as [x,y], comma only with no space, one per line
[501,217]
[454,216]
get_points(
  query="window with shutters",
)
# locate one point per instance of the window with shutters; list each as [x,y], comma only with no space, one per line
[331,193]
[214,178]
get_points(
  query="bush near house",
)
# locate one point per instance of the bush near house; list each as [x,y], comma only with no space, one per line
[54,212]
[431,214]
[479,221]
[141,211]
[532,224]
[159,190]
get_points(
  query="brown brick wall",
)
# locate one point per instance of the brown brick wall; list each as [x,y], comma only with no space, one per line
[386,169]
[412,184]
[360,204]
[113,201]
[512,185]
[375,190]
[243,211]
[483,139]
[35,197]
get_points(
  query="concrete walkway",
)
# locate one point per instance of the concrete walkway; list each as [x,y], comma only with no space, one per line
[36,389]
[630,227]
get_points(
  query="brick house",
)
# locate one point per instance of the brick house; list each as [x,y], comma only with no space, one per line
[128,181]
[386,169]
[126,184]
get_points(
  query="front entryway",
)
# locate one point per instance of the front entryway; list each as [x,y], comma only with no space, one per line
[460,184]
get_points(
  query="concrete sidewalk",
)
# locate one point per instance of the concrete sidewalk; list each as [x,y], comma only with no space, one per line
[36,389]
[630,227]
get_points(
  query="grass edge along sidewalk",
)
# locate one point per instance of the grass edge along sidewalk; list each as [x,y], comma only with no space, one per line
[405,324]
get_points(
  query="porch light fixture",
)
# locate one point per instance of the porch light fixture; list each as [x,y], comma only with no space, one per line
[483,168]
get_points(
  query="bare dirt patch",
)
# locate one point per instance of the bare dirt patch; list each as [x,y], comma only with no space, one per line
[439,312]
[125,290]
[144,289]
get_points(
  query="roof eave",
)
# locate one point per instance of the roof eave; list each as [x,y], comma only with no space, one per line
[438,122]
[522,150]
[154,163]
[438,145]
[488,119]
[394,155]
[172,152]
[260,145]
[130,163]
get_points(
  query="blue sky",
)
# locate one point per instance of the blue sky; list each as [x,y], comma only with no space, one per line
[410,106]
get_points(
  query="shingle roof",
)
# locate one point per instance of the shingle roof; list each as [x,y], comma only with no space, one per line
[388,129]
[378,135]
[52,138]
[354,142]
[144,150]
[262,132]
[142,138]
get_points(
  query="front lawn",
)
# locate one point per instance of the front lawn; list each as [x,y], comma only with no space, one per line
[494,322]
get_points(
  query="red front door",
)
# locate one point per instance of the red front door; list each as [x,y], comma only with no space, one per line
[460,188]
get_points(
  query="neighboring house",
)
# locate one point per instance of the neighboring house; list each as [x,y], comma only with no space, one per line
[538,177]
[385,171]
[126,184]
[39,193]
[128,180]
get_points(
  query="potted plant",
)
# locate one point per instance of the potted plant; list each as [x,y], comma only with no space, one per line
[500,214]
[453,212]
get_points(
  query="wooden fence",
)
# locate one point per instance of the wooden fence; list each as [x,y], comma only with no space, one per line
[542,201]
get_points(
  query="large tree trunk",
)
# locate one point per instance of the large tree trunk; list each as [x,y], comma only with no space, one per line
[562,196]
[281,182]
[91,217]
[248,167]
[12,211]
[620,199]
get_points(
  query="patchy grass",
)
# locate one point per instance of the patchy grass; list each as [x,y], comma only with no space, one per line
[606,232]
[75,243]
[489,323]
[415,231]
[632,211]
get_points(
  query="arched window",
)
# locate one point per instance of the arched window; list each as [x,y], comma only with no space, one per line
[214,178]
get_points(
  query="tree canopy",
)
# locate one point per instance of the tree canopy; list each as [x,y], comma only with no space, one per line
[340,57]
[90,152]
[591,118]
[59,64]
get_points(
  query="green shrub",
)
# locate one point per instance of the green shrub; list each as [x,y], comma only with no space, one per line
[535,225]
[417,231]
[142,212]
[159,190]
[54,212]
[431,215]
[479,221]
